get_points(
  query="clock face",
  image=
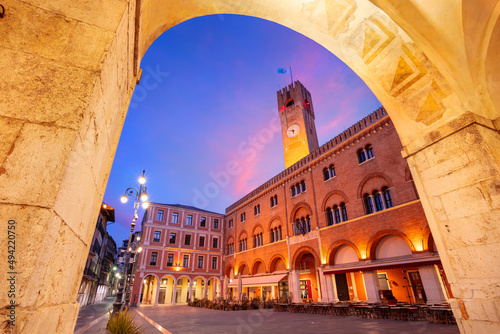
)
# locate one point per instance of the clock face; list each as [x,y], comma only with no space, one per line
[293,130]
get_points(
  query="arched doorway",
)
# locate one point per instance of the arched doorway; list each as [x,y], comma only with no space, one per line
[441,94]
[305,286]
[182,295]
[213,288]
[199,288]
[166,294]
[149,289]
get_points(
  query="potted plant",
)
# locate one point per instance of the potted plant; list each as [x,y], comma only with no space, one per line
[122,323]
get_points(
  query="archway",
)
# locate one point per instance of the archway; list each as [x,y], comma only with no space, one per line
[166,293]
[149,289]
[442,95]
[182,294]
[213,288]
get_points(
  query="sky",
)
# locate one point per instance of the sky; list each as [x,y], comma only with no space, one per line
[203,121]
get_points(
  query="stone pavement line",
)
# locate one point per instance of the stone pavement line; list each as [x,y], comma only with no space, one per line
[152,322]
[86,327]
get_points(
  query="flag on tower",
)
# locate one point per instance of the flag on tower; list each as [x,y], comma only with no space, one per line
[283,71]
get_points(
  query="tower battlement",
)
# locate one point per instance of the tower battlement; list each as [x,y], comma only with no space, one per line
[292,94]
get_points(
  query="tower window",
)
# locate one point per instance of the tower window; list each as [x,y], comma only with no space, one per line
[329,216]
[361,155]
[369,152]
[337,214]
[387,197]
[378,201]
[368,203]
[343,210]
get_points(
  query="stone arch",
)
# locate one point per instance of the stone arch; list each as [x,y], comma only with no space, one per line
[370,177]
[274,260]
[243,233]
[241,268]
[256,266]
[375,239]
[332,250]
[257,229]
[229,270]
[299,206]
[303,250]
[464,73]
[151,290]
[272,222]
[169,276]
[330,195]
[230,240]
[428,243]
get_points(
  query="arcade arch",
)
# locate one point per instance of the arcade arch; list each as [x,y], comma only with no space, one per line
[435,74]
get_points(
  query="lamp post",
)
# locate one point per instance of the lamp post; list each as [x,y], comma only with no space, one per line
[140,196]
[136,249]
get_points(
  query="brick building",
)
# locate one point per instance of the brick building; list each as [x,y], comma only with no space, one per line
[181,257]
[342,222]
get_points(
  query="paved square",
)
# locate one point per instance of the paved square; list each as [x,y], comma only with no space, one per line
[184,320]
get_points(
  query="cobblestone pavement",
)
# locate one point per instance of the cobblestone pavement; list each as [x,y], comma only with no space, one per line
[186,320]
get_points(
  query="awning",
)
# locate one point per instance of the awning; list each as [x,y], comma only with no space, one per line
[383,265]
[258,281]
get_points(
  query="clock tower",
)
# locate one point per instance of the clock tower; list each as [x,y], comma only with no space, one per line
[297,122]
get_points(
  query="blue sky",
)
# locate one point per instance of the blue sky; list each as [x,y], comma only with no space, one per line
[202,122]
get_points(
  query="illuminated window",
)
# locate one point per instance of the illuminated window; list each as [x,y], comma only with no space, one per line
[156,237]
[159,215]
[175,217]
[189,220]
[170,260]
[154,257]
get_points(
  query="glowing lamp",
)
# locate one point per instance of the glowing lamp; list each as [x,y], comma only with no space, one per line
[142,180]
[144,197]
[145,281]
[145,205]
[124,199]
[139,249]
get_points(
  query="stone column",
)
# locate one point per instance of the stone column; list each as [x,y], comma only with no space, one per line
[334,298]
[240,287]
[323,295]
[456,170]
[191,290]
[157,292]
[371,286]
[205,290]
[432,284]
[226,287]
[294,286]
[354,288]
[174,292]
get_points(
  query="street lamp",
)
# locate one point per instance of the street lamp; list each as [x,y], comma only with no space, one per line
[136,249]
[140,196]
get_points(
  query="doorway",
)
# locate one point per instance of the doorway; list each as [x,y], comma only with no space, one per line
[342,288]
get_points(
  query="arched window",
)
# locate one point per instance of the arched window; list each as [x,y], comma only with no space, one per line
[303,185]
[332,171]
[308,224]
[369,152]
[275,199]
[336,211]
[292,191]
[326,174]
[378,201]
[361,155]
[387,197]
[368,203]
[329,216]
[343,210]
[298,189]
[272,201]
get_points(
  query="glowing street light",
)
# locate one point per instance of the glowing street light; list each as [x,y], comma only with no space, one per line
[141,195]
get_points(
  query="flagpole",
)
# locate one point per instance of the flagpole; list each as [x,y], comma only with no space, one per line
[291,76]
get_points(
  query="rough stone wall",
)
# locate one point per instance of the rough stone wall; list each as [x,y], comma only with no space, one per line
[66,85]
